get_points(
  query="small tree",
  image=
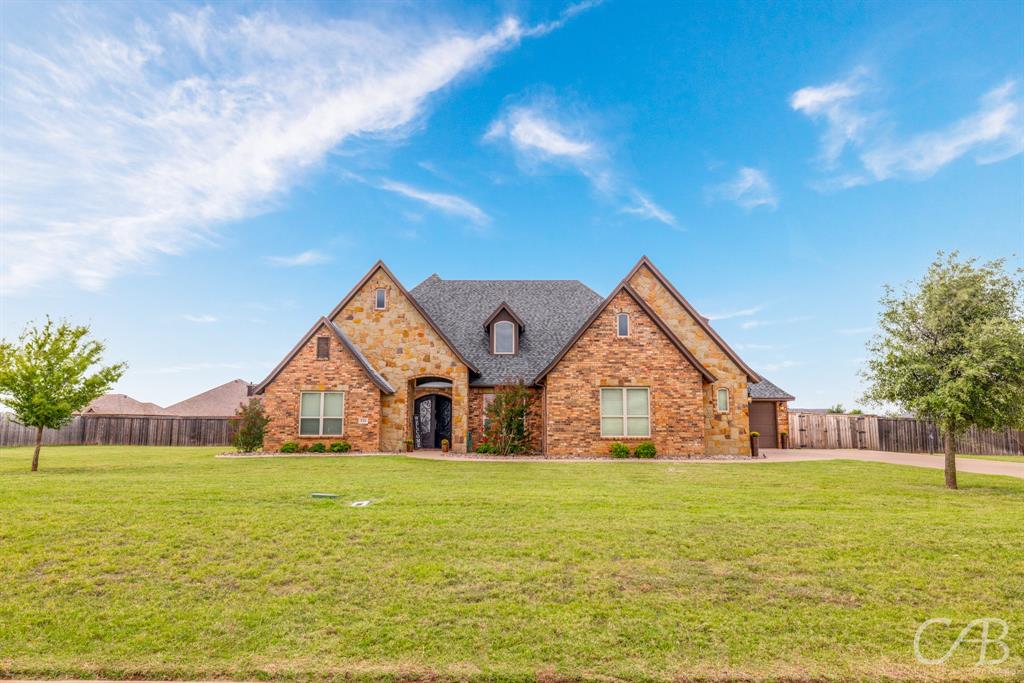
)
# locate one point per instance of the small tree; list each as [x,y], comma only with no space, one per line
[44,379]
[250,426]
[508,429]
[837,409]
[951,349]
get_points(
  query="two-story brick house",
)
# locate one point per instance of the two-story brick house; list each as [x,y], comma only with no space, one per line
[390,364]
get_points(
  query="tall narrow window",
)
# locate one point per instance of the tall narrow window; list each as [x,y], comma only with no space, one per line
[723,400]
[504,337]
[323,347]
[623,324]
[380,299]
[321,413]
[625,411]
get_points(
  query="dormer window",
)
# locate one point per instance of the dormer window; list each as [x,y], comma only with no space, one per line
[622,324]
[380,299]
[503,329]
[504,337]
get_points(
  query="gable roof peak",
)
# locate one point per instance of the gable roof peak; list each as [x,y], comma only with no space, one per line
[503,306]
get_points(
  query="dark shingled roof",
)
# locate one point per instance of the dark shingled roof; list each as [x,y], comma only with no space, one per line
[551,310]
[766,390]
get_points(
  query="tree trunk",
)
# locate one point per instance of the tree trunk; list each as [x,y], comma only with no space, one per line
[949,443]
[39,444]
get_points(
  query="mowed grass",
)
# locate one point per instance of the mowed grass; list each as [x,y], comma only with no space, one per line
[168,563]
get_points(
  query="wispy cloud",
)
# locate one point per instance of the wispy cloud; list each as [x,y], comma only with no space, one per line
[752,324]
[750,189]
[446,203]
[854,331]
[310,257]
[741,313]
[646,208]
[156,133]
[196,367]
[205,318]
[780,365]
[543,131]
[994,131]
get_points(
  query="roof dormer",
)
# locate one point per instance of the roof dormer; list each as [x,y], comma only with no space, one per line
[503,328]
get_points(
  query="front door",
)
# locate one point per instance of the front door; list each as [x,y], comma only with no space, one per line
[762,420]
[432,421]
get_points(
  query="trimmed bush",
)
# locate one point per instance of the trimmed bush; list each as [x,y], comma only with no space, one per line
[289,447]
[484,448]
[619,450]
[645,449]
[341,447]
[318,448]
[250,426]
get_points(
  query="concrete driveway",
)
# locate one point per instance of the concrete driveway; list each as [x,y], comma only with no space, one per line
[1010,469]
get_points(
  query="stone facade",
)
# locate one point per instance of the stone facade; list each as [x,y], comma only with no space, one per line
[403,346]
[782,416]
[725,433]
[645,358]
[339,372]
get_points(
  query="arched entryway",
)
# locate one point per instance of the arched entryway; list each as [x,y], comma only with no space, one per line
[432,421]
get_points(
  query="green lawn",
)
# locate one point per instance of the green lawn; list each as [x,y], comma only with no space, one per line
[169,563]
[999,458]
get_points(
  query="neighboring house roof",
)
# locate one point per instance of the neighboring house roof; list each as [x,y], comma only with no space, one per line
[379,265]
[374,376]
[120,404]
[697,317]
[222,401]
[624,287]
[766,391]
[549,311]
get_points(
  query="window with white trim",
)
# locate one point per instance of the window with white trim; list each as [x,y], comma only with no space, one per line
[321,413]
[380,299]
[626,411]
[723,400]
[504,337]
[622,324]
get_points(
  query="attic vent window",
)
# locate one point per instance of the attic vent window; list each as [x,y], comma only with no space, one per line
[622,322]
[504,337]
[380,299]
[323,348]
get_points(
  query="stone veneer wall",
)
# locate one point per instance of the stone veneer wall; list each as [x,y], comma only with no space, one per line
[645,358]
[340,372]
[725,433]
[535,422]
[402,346]
[782,418]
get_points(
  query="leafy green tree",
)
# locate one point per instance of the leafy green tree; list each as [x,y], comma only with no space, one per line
[951,349]
[837,409]
[250,426]
[44,377]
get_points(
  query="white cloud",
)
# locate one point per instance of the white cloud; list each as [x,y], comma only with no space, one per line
[781,365]
[834,104]
[310,257]
[154,135]
[995,131]
[752,324]
[750,189]
[196,367]
[991,133]
[646,208]
[446,203]
[741,313]
[543,131]
[205,318]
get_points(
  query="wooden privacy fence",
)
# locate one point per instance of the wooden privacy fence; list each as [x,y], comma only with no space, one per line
[145,430]
[901,434]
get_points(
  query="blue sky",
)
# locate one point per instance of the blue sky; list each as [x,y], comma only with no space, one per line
[199,183]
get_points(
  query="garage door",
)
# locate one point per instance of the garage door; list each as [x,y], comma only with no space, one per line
[762,421]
